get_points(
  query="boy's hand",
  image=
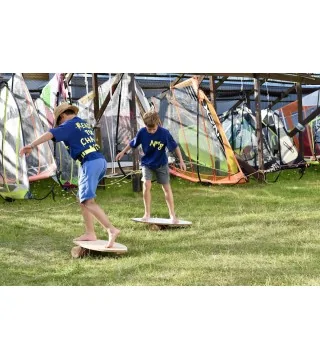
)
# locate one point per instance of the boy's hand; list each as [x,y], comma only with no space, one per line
[26,150]
[183,165]
[119,156]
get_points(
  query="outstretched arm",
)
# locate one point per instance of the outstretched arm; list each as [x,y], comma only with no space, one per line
[182,164]
[123,152]
[41,139]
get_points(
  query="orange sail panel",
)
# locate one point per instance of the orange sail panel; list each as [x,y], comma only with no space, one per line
[190,117]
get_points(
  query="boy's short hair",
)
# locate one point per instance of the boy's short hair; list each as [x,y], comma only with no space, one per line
[151,118]
[69,112]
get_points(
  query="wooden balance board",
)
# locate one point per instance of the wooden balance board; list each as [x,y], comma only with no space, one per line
[83,248]
[159,223]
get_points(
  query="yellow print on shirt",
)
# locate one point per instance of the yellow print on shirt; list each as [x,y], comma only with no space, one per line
[156,143]
[87,140]
[81,126]
[88,130]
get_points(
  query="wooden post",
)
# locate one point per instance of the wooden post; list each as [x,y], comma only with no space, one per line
[258,120]
[95,95]
[97,129]
[300,119]
[103,106]
[247,97]
[136,178]
[305,121]
[282,96]
[235,105]
[213,94]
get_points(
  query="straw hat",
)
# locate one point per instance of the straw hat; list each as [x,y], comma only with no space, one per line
[62,108]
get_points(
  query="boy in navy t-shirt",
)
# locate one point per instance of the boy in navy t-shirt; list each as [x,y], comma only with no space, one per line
[154,140]
[79,140]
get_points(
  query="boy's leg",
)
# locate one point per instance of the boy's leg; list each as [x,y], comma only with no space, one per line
[147,199]
[90,174]
[88,219]
[146,178]
[95,210]
[169,200]
[163,178]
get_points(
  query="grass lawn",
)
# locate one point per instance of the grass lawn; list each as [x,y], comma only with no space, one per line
[249,234]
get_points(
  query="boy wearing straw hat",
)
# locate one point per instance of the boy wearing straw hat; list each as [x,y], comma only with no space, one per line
[79,140]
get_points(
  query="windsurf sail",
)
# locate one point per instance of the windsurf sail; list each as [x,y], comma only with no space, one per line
[190,117]
[115,126]
[315,137]
[14,182]
[289,117]
[279,150]
[240,127]
[286,152]
[52,94]
[40,163]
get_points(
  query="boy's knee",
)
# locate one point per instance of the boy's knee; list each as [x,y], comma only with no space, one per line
[166,188]
[147,185]
[87,202]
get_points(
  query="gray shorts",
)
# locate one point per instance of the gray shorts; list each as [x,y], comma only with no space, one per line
[161,173]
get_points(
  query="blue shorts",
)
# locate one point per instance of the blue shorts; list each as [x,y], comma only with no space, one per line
[90,173]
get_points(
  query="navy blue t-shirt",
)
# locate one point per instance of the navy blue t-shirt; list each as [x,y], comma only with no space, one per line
[77,136]
[153,146]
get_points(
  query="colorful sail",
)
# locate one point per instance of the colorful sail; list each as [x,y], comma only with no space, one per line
[52,94]
[289,116]
[190,117]
[285,151]
[278,148]
[240,127]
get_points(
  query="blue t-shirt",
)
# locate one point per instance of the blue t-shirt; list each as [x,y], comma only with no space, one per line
[153,146]
[77,136]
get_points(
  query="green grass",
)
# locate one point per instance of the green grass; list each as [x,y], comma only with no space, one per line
[249,234]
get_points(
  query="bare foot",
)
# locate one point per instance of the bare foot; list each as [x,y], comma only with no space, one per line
[145,218]
[112,237]
[174,219]
[86,237]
